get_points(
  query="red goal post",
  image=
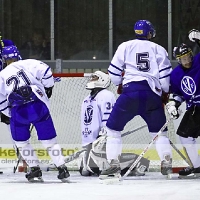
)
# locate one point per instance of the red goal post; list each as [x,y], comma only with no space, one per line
[65,108]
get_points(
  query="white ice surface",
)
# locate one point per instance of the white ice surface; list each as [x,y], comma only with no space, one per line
[152,186]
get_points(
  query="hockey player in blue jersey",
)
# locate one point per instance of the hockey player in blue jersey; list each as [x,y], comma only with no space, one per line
[25,89]
[147,69]
[185,87]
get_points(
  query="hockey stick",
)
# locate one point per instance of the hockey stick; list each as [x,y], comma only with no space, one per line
[188,158]
[145,150]
[180,154]
[18,161]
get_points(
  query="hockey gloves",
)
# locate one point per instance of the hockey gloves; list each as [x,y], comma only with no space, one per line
[173,110]
[48,91]
[194,35]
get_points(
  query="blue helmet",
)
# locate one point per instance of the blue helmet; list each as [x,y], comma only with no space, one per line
[10,52]
[143,27]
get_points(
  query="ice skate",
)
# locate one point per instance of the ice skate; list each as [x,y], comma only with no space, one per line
[166,165]
[112,172]
[63,174]
[34,175]
[189,173]
[51,167]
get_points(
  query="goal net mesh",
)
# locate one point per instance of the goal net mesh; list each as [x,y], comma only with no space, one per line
[65,108]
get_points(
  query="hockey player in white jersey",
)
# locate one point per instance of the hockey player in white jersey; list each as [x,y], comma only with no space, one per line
[95,110]
[25,89]
[147,69]
[3,118]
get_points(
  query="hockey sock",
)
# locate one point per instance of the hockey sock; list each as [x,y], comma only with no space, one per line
[113,144]
[28,153]
[54,151]
[163,146]
[191,150]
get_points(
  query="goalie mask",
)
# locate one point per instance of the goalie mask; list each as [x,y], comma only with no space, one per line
[98,80]
[183,55]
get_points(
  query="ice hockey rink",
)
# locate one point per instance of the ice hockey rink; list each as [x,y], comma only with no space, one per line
[152,186]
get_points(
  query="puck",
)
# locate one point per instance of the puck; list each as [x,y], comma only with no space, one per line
[1,172]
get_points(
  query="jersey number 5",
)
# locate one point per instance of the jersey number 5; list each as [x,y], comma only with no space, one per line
[142,60]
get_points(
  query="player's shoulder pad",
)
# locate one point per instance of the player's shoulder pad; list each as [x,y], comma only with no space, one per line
[105,94]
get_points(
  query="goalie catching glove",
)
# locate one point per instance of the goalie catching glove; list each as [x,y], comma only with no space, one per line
[172,109]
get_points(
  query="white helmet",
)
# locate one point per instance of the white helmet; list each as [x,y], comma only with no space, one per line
[98,80]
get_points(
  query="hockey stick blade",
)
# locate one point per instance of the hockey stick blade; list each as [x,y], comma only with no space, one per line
[180,154]
[144,151]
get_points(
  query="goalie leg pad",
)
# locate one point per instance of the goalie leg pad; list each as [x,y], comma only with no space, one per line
[126,159]
[87,166]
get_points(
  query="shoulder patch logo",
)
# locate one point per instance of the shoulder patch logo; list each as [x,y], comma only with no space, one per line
[39,92]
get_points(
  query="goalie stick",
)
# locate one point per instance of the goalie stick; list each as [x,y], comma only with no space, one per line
[145,150]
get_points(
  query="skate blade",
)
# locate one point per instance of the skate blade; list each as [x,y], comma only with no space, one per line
[190,176]
[51,169]
[111,179]
[66,180]
[36,180]
[170,176]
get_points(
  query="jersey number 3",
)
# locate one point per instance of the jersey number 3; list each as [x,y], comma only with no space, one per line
[142,60]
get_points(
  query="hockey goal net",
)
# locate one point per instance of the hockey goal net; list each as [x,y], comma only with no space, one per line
[65,107]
